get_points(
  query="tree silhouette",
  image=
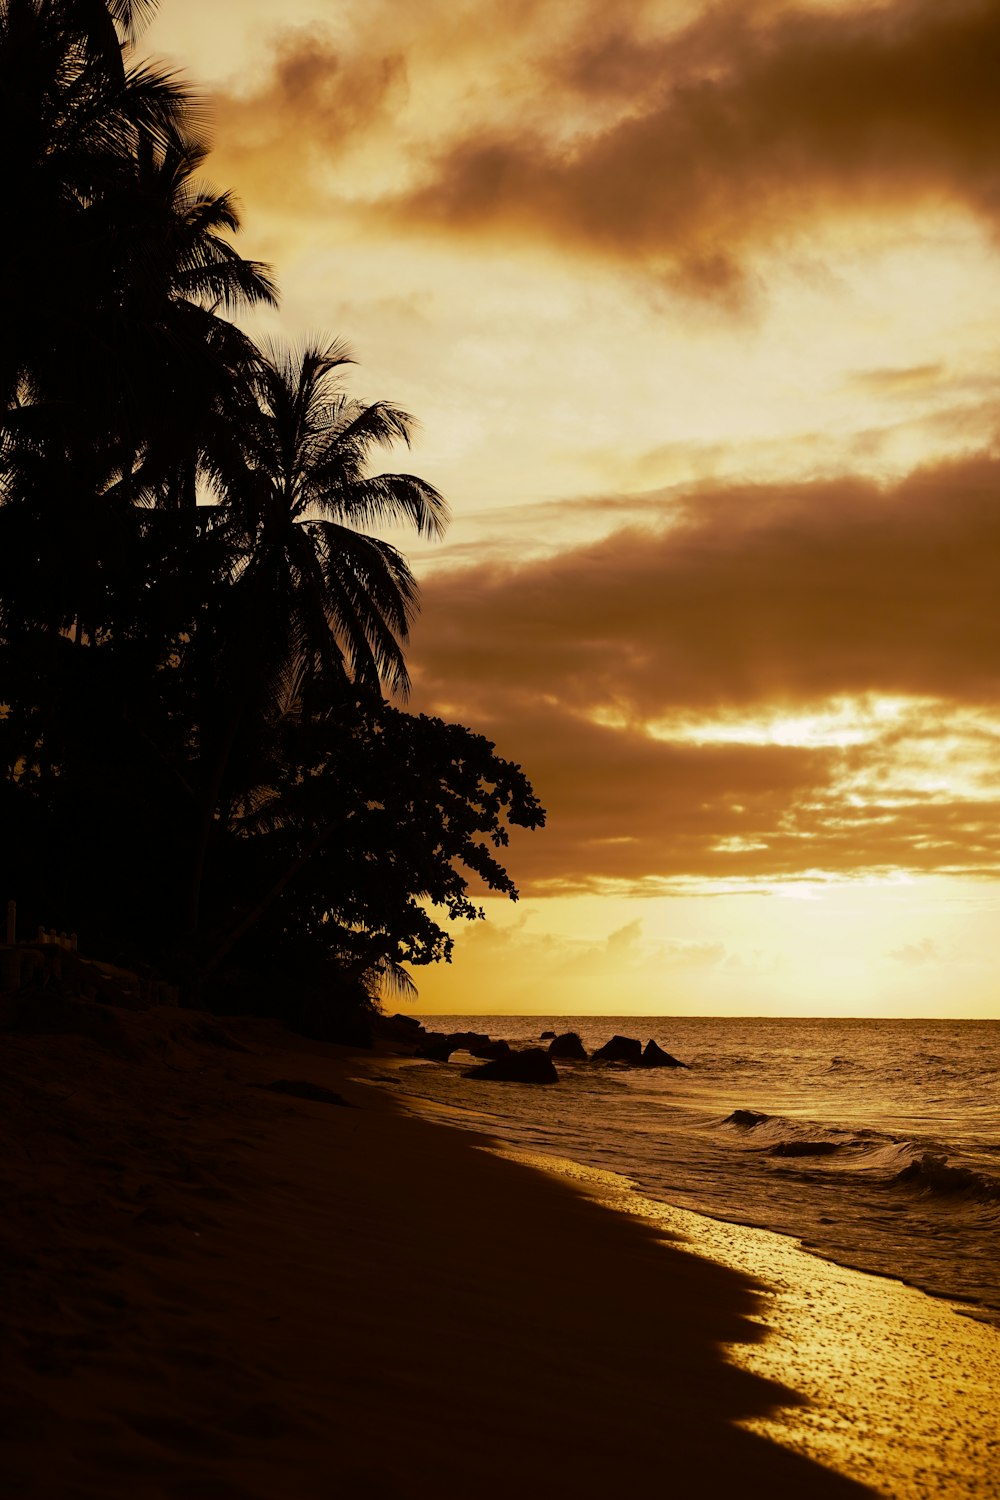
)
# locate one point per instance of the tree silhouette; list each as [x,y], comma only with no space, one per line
[72,114]
[333,600]
[199,617]
[314,605]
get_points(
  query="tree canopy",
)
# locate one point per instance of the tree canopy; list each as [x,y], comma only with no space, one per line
[201,628]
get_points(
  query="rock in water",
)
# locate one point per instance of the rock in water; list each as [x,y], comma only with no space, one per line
[655,1057]
[436,1047]
[747,1119]
[568,1045]
[530,1066]
[470,1039]
[624,1049]
[399,1031]
[486,1048]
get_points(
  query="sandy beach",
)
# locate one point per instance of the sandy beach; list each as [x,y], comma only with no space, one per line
[216,1289]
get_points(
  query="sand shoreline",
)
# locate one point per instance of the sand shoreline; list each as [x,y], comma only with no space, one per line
[900,1386]
[215,1290]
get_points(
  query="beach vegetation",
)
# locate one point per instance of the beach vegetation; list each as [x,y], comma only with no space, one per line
[205,763]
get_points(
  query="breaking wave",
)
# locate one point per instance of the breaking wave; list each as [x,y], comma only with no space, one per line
[932,1177]
[884,1159]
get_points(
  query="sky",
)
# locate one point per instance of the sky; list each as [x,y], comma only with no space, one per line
[697,306]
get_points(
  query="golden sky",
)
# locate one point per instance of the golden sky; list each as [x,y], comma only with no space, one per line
[698,307]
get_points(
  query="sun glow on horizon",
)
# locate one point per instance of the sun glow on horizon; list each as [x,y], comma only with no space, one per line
[891,944]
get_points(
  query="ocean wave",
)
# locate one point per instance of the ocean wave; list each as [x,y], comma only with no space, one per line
[777,1135]
[932,1177]
[913,1181]
[856,1150]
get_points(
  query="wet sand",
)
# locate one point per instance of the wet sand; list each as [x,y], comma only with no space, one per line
[216,1291]
[901,1389]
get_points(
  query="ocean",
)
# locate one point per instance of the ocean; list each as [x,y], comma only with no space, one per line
[876,1143]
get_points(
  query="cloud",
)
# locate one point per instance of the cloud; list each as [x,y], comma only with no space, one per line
[340,109]
[898,381]
[776,680]
[676,146]
[625,940]
[318,99]
[638,815]
[518,947]
[923,952]
[741,595]
[742,128]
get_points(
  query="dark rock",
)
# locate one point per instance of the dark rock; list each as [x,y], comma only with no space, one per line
[436,1047]
[655,1057]
[436,1051]
[486,1048]
[624,1049]
[568,1045]
[747,1118]
[530,1066]
[399,1031]
[545,1036]
[299,1088]
[468,1041]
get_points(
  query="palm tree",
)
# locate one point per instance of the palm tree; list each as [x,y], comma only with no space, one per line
[71,115]
[182,376]
[117,366]
[315,606]
[333,602]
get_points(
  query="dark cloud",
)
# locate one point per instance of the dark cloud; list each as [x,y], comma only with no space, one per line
[317,99]
[635,812]
[746,595]
[675,150]
[596,668]
[741,129]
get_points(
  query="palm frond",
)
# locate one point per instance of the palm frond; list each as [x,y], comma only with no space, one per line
[132,16]
[373,598]
[394,977]
[391,499]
